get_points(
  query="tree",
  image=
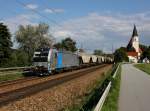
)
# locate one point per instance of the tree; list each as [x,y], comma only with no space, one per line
[98,52]
[146,53]
[58,45]
[5,44]
[33,37]
[67,44]
[143,47]
[120,55]
[22,59]
[18,58]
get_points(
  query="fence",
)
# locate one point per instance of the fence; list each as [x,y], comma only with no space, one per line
[105,93]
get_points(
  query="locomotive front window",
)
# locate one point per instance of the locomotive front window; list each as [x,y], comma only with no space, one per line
[44,54]
[41,54]
[37,54]
[40,59]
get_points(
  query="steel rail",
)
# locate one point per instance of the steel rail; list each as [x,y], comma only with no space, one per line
[14,95]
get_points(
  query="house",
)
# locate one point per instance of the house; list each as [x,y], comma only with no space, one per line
[133,49]
[146,60]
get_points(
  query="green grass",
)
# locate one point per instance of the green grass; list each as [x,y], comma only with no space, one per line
[13,76]
[144,67]
[111,102]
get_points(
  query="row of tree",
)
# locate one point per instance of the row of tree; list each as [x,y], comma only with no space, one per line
[29,38]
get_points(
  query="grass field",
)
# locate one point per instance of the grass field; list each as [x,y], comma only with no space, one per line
[6,76]
[144,67]
[111,102]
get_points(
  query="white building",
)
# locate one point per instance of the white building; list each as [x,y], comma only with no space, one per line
[146,60]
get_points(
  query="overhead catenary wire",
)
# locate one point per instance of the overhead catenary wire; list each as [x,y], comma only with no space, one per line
[13,22]
[53,10]
[3,21]
[44,16]
[41,15]
[37,12]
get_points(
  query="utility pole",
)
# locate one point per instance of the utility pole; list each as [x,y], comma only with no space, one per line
[112,48]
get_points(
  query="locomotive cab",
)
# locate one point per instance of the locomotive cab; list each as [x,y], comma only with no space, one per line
[42,60]
[47,61]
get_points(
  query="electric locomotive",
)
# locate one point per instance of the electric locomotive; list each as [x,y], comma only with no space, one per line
[48,60]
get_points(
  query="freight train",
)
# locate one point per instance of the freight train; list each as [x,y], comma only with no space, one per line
[47,61]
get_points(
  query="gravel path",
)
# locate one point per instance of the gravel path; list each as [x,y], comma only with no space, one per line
[135,89]
[59,97]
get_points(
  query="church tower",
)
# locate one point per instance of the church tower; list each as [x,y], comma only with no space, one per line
[134,41]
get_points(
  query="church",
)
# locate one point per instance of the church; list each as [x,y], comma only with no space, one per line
[133,49]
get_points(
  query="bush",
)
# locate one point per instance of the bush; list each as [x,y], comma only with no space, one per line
[17,59]
[120,55]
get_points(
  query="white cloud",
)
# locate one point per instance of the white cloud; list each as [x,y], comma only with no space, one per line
[22,19]
[14,22]
[48,10]
[32,6]
[62,33]
[102,31]
[53,10]
[95,31]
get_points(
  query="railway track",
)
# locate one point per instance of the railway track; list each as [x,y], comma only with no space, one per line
[15,68]
[23,80]
[17,81]
[23,92]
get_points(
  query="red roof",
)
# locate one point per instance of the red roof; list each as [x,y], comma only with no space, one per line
[132,54]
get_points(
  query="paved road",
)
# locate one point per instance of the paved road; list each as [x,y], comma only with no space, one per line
[135,90]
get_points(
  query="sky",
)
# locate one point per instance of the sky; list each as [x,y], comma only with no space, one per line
[93,24]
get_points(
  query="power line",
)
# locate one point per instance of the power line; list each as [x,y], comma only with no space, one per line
[41,15]
[45,5]
[14,22]
[37,12]
[2,20]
